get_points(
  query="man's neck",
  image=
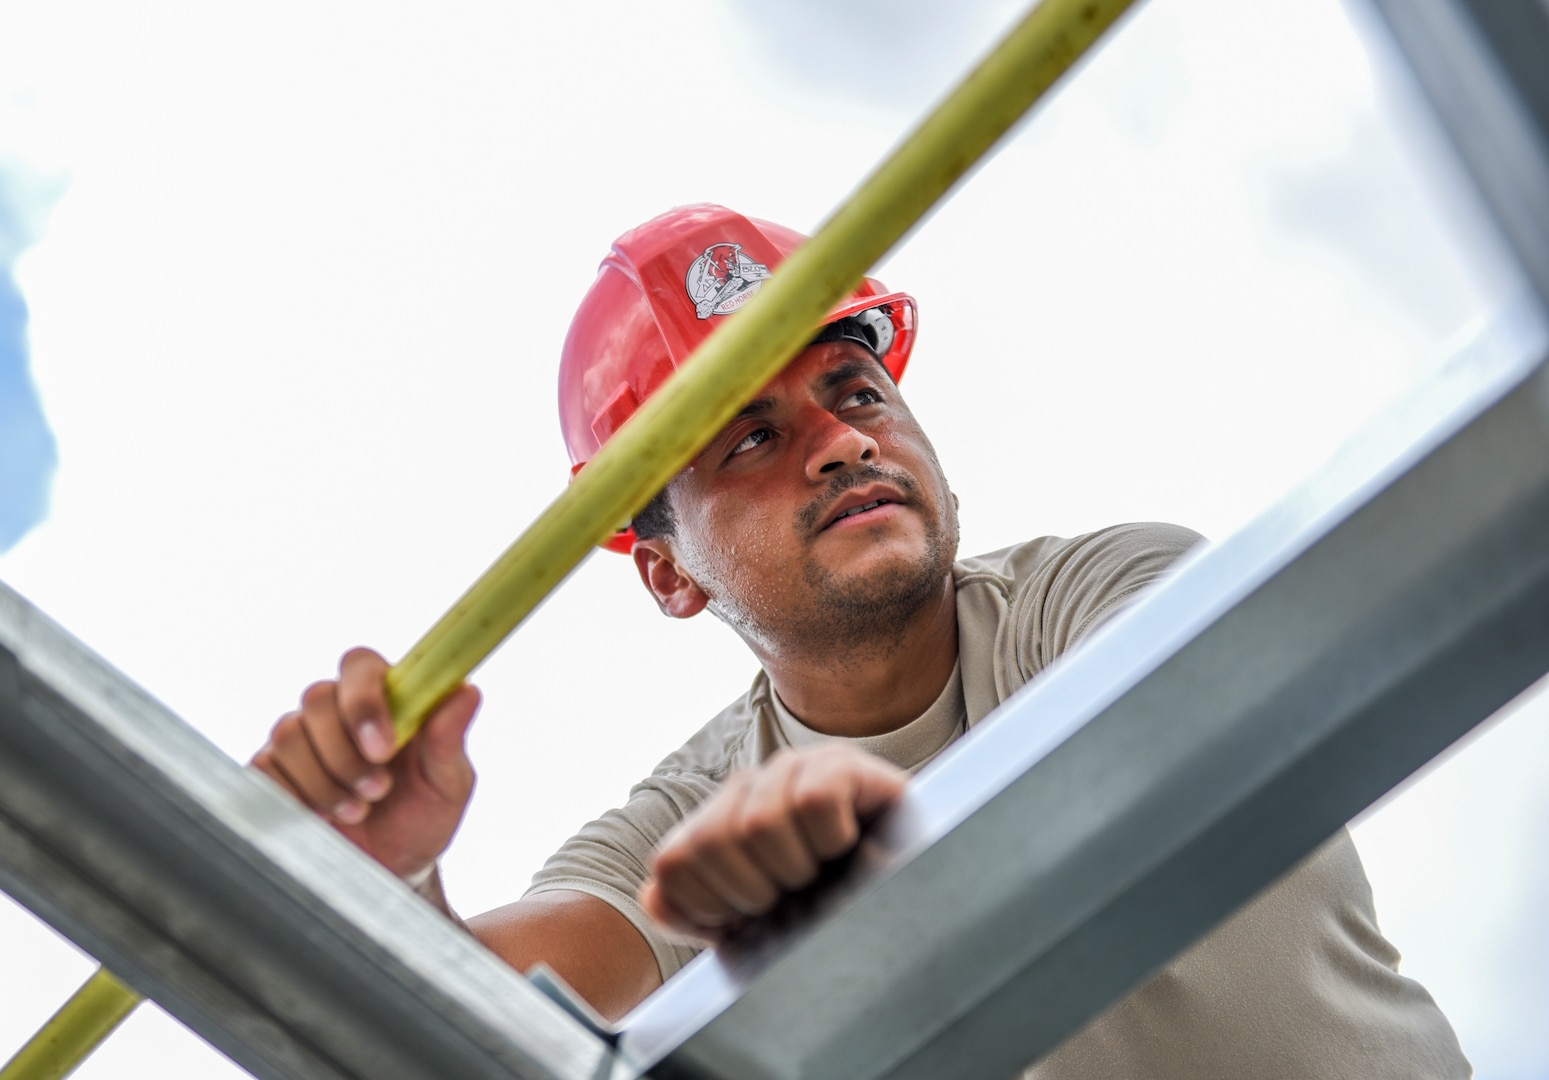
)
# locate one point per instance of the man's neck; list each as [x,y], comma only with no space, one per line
[876,687]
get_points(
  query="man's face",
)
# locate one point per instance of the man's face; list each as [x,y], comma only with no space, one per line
[819,518]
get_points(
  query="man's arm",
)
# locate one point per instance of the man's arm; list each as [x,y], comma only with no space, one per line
[588,943]
[765,832]
[335,753]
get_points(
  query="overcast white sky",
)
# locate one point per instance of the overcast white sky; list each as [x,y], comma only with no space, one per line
[301,274]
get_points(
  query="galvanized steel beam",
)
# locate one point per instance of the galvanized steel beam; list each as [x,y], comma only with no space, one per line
[1270,691]
[209,889]
[1484,64]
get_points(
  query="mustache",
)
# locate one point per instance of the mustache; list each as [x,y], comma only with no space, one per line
[865,473]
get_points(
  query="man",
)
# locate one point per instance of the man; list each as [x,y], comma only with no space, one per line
[818,526]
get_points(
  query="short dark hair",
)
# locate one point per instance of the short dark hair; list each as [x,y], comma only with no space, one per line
[656,518]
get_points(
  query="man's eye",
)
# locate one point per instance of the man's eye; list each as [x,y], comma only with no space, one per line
[752,439]
[859,398]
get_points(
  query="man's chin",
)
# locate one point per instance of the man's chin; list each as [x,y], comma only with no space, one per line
[890,576]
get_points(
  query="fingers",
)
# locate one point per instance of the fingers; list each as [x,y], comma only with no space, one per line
[290,759]
[765,833]
[328,736]
[330,751]
[336,754]
[837,794]
[771,825]
[362,704]
[713,878]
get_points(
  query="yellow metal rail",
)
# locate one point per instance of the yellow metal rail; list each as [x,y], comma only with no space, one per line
[74,1031]
[676,422]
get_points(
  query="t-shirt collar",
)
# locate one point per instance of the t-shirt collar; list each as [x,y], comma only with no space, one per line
[910,747]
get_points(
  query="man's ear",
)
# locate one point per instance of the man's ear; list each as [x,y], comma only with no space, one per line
[676,593]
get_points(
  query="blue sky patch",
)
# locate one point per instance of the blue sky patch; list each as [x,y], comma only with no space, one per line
[28,454]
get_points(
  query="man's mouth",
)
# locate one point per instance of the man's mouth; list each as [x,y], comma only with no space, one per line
[866,491]
[850,508]
[861,509]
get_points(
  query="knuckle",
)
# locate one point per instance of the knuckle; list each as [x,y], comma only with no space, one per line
[360,674]
[762,901]
[358,702]
[671,863]
[319,695]
[762,825]
[695,846]
[839,840]
[287,733]
[336,753]
[817,802]
[361,655]
[263,761]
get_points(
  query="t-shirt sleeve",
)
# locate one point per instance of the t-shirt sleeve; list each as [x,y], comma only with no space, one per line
[1086,580]
[609,857]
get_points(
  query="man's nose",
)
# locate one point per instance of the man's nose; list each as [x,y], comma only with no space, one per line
[836,446]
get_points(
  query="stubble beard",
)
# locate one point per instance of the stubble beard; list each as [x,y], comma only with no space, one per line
[846,619]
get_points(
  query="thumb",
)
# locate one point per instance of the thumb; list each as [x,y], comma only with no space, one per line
[443,754]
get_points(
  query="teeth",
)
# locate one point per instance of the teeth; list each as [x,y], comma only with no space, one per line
[861,509]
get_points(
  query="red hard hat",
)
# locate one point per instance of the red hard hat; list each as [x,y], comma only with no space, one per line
[658,295]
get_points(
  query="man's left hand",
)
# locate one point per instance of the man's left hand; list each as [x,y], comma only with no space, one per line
[765,833]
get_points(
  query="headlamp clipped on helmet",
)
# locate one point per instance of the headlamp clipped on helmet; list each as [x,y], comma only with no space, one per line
[872,328]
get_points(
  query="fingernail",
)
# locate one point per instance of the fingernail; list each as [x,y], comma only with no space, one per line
[350,811]
[376,739]
[371,788]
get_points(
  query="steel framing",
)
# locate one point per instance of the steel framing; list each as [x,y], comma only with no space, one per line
[207,888]
[1277,685]
[1481,63]
[1335,665]
[1130,798]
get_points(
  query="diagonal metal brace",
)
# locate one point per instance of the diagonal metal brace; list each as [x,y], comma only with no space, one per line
[206,887]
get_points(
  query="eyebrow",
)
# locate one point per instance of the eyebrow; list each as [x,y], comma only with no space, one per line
[850,369]
[756,407]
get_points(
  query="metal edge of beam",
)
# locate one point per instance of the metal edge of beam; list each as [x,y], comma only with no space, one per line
[1482,64]
[1157,778]
[211,891]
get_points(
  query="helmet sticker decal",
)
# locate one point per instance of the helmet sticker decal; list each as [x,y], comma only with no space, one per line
[722,279]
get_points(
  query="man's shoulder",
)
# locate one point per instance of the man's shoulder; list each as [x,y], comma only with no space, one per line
[733,739]
[1114,546]
[1022,607]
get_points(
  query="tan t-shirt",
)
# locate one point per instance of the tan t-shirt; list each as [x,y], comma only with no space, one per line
[1299,983]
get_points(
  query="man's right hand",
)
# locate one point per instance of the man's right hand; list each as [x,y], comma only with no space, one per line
[336,754]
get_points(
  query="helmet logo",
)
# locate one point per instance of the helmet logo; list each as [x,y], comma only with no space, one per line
[722,279]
